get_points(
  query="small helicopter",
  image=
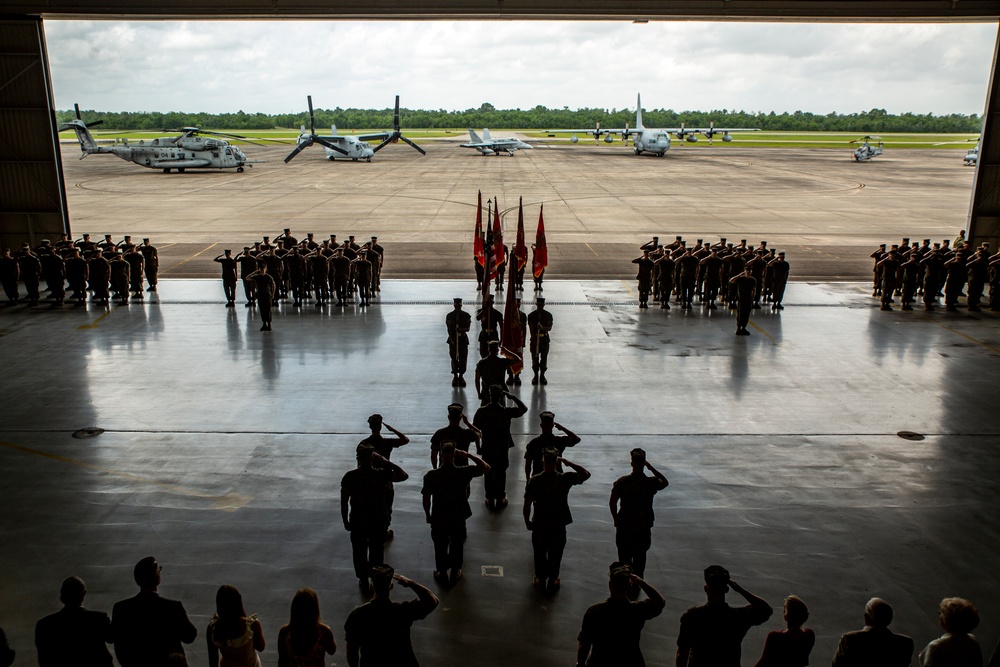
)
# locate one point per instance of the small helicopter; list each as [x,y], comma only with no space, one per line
[352,147]
[189,150]
[865,152]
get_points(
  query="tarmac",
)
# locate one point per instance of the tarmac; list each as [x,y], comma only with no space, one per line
[838,453]
[600,204]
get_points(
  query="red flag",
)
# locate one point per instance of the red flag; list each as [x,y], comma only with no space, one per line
[512,336]
[477,243]
[541,256]
[520,249]
[499,252]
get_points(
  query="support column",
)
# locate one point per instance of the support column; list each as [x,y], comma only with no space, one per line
[984,210]
[32,192]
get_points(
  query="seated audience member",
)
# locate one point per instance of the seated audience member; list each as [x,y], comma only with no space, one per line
[306,640]
[957,647]
[73,635]
[789,647]
[233,637]
[875,644]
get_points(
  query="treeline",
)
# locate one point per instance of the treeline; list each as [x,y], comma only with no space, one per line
[874,121]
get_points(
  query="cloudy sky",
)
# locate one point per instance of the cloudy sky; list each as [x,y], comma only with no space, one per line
[272,66]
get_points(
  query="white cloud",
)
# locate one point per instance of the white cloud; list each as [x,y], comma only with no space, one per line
[272,66]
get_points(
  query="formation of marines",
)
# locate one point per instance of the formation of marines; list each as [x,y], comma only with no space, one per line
[932,271]
[304,270]
[733,275]
[367,491]
[107,270]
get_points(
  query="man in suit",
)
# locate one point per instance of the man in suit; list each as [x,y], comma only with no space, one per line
[875,644]
[73,635]
[148,630]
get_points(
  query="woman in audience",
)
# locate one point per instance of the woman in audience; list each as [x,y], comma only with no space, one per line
[306,640]
[233,637]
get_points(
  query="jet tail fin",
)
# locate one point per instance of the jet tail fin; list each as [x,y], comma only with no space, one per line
[475,137]
[333,130]
[486,134]
[638,112]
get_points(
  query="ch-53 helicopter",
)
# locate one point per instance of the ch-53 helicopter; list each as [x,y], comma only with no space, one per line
[351,147]
[189,150]
[866,151]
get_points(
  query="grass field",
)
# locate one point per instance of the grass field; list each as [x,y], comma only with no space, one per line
[761,139]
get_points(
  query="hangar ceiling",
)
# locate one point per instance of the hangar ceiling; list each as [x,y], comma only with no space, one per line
[711,10]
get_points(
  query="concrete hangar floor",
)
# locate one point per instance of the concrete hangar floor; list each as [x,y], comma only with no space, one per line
[223,447]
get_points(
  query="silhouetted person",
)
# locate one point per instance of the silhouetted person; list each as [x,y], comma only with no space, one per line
[548,494]
[491,371]
[229,265]
[383,447]
[644,277]
[779,270]
[9,275]
[493,421]
[446,507]
[455,432]
[957,647]
[306,640]
[147,629]
[789,647]
[458,322]
[491,320]
[234,639]
[712,635]
[150,263]
[539,326]
[73,635]
[875,645]
[745,286]
[363,508]
[632,510]
[378,632]
[263,289]
[609,636]
[533,450]
[6,652]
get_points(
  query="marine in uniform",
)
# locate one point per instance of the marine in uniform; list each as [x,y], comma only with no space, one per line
[458,322]
[363,508]
[378,632]
[611,630]
[263,289]
[99,271]
[228,276]
[548,495]
[644,277]
[547,439]
[632,510]
[383,447]
[779,270]
[665,269]
[687,266]
[745,286]
[136,264]
[539,326]
[455,432]
[248,265]
[30,269]
[491,320]
[446,507]
[491,371]
[493,421]
[77,273]
[54,271]
[151,263]
[119,277]
[9,274]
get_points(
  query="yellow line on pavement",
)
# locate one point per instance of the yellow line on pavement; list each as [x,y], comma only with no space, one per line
[965,336]
[769,336]
[94,324]
[191,257]
[228,503]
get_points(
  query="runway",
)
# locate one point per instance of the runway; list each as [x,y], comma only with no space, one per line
[600,204]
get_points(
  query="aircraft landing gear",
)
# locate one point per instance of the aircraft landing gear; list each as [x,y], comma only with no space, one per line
[638,152]
[180,170]
[239,170]
[354,159]
[368,159]
[166,170]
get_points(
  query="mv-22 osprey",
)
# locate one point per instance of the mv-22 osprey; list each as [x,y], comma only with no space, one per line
[189,150]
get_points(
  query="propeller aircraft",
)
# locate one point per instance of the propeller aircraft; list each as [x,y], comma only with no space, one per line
[865,152]
[355,147]
[190,150]
[656,140]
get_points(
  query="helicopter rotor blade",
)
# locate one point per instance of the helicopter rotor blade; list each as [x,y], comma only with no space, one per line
[418,148]
[312,116]
[76,107]
[93,123]
[395,118]
[331,146]
[388,140]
